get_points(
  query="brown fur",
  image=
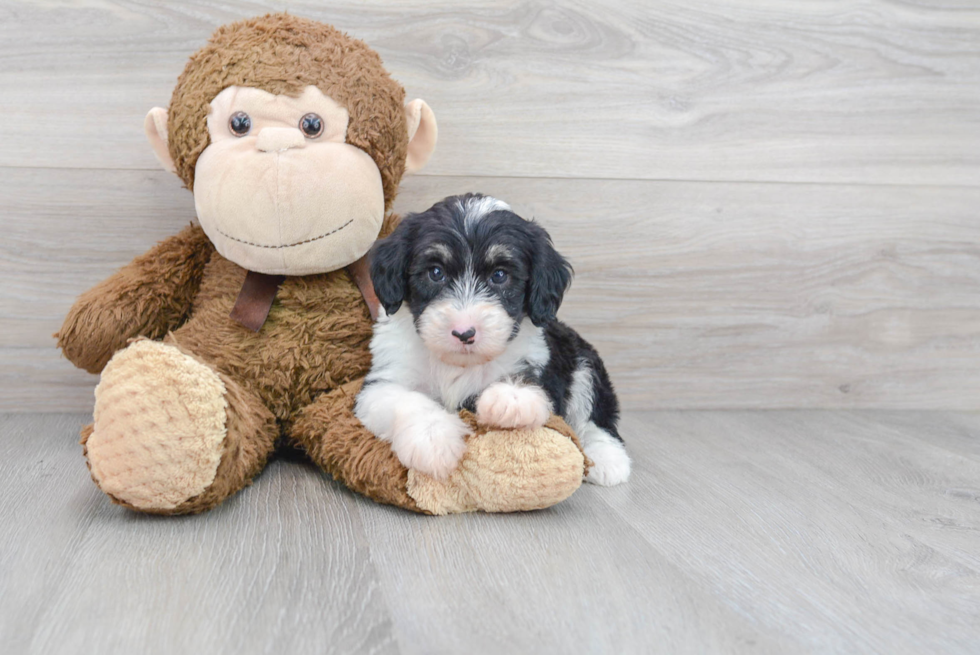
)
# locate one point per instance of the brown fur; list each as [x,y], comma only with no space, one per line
[298,375]
[252,434]
[149,297]
[336,440]
[315,339]
[255,53]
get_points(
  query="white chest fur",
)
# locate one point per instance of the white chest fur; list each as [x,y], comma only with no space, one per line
[399,355]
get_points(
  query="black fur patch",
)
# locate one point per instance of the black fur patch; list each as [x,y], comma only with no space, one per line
[468,251]
[568,352]
[446,248]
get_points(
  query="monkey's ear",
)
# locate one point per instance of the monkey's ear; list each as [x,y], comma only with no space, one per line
[422,134]
[155,127]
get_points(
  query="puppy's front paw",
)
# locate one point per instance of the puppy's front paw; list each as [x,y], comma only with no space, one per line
[429,440]
[505,405]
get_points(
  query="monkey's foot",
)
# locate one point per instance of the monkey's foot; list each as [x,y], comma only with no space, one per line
[506,471]
[160,424]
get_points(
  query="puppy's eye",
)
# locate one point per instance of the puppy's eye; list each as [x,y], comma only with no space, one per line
[436,274]
[499,276]
[239,123]
[311,125]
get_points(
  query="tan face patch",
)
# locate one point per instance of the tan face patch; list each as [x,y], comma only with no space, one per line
[275,200]
[441,251]
[498,253]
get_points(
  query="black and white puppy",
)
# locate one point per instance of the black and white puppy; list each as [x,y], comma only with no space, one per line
[470,291]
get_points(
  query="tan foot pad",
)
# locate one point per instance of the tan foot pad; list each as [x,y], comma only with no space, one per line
[506,471]
[159,426]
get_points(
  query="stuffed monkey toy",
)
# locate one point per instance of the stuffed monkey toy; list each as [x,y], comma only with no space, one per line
[250,331]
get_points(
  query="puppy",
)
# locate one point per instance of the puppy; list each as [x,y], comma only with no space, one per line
[470,291]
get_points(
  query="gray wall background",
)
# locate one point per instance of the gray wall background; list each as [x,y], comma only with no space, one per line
[768,204]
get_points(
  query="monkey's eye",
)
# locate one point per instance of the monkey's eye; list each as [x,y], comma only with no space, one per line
[499,276]
[311,125]
[239,123]
[436,274]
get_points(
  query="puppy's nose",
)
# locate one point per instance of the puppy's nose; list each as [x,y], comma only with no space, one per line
[277,139]
[465,337]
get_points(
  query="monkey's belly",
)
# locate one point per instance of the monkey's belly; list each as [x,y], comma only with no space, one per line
[315,338]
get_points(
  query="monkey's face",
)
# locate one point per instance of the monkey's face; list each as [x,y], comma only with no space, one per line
[293,138]
[278,190]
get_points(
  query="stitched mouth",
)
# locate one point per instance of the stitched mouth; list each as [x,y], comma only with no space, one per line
[288,245]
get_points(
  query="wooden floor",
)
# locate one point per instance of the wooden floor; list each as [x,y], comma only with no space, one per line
[741,531]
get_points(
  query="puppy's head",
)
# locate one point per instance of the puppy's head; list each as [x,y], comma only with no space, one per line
[470,270]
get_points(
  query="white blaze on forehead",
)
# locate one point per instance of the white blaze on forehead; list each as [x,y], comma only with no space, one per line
[476,208]
[468,290]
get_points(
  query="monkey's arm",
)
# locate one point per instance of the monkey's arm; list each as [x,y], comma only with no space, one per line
[148,297]
[501,470]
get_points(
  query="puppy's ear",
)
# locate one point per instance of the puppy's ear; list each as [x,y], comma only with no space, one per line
[389,268]
[550,276]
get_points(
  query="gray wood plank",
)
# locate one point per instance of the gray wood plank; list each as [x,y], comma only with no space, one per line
[282,568]
[47,504]
[572,579]
[740,531]
[697,294]
[850,532]
[837,91]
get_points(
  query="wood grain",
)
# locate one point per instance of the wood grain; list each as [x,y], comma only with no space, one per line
[696,294]
[571,579]
[740,531]
[837,91]
[78,574]
[813,508]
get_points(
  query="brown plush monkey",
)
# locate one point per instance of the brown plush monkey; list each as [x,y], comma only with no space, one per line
[248,331]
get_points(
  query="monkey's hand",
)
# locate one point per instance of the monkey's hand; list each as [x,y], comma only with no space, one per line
[148,297]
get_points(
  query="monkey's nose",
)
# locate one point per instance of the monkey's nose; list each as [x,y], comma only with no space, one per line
[277,139]
[465,337]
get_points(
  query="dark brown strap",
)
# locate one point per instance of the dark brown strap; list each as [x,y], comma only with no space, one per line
[361,272]
[259,291]
[255,299]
